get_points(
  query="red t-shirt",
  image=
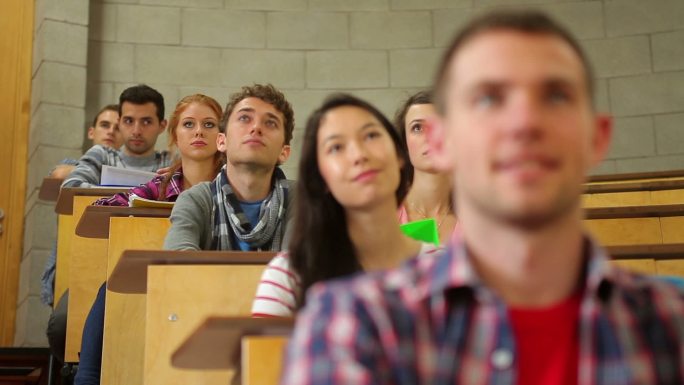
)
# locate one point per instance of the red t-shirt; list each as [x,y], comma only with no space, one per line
[548,343]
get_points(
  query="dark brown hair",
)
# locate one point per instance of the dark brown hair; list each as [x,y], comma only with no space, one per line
[320,247]
[421,97]
[109,107]
[531,22]
[269,94]
[143,94]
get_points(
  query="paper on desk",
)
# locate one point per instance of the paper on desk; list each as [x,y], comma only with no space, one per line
[117,176]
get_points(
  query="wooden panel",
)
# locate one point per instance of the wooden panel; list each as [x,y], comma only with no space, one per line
[65,231]
[189,294]
[628,231]
[632,198]
[645,266]
[87,269]
[16,45]
[667,197]
[672,228]
[637,175]
[262,359]
[124,329]
[670,267]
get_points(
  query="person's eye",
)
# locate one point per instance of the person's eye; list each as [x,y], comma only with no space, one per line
[488,100]
[334,148]
[372,135]
[271,123]
[188,124]
[104,124]
[209,124]
[416,128]
[243,118]
[147,122]
[128,121]
[558,96]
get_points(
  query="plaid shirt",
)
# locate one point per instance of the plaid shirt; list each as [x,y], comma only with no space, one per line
[433,321]
[149,190]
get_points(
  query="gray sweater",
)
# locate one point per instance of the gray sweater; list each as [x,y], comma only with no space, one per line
[89,168]
[192,222]
[191,219]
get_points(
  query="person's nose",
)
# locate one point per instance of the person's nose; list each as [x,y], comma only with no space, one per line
[524,118]
[357,152]
[256,127]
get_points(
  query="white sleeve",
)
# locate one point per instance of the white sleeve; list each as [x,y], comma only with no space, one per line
[278,289]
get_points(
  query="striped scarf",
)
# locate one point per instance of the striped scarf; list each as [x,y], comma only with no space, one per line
[228,217]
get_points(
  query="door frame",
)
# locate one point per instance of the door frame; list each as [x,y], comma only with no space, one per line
[15,111]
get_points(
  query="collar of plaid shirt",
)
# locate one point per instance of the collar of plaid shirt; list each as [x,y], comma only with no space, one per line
[433,321]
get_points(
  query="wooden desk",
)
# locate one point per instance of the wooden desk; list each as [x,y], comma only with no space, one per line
[65,230]
[87,268]
[255,345]
[634,198]
[637,176]
[94,222]
[65,201]
[635,185]
[124,327]
[180,297]
[49,189]
[660,259]
[129,275]
[637,231]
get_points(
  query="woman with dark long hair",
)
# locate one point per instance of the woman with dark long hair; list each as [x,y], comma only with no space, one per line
[352,176]
[430,193]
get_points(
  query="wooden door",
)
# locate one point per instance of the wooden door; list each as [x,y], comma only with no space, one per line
[16,42]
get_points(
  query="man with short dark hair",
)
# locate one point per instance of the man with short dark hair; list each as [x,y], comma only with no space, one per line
[104,131]
[249,199]
[141,120]
[526,296]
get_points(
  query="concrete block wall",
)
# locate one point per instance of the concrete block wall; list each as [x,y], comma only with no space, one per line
[385,50]
[381,50]
[56,131]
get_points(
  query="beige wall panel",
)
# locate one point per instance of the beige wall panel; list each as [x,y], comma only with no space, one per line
[670,267]
[179,300]
[124,329]
[646,266]
[631,198]
[627,231]
[87,269]
[672,228]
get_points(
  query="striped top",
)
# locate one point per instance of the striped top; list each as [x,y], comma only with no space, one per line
[279,287]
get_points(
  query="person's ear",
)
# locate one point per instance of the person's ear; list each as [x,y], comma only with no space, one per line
[436,133]
[162,125]
[91,133]
[221,142]
[284,154]
[603,133]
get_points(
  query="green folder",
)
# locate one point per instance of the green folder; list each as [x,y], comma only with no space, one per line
[424,230]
